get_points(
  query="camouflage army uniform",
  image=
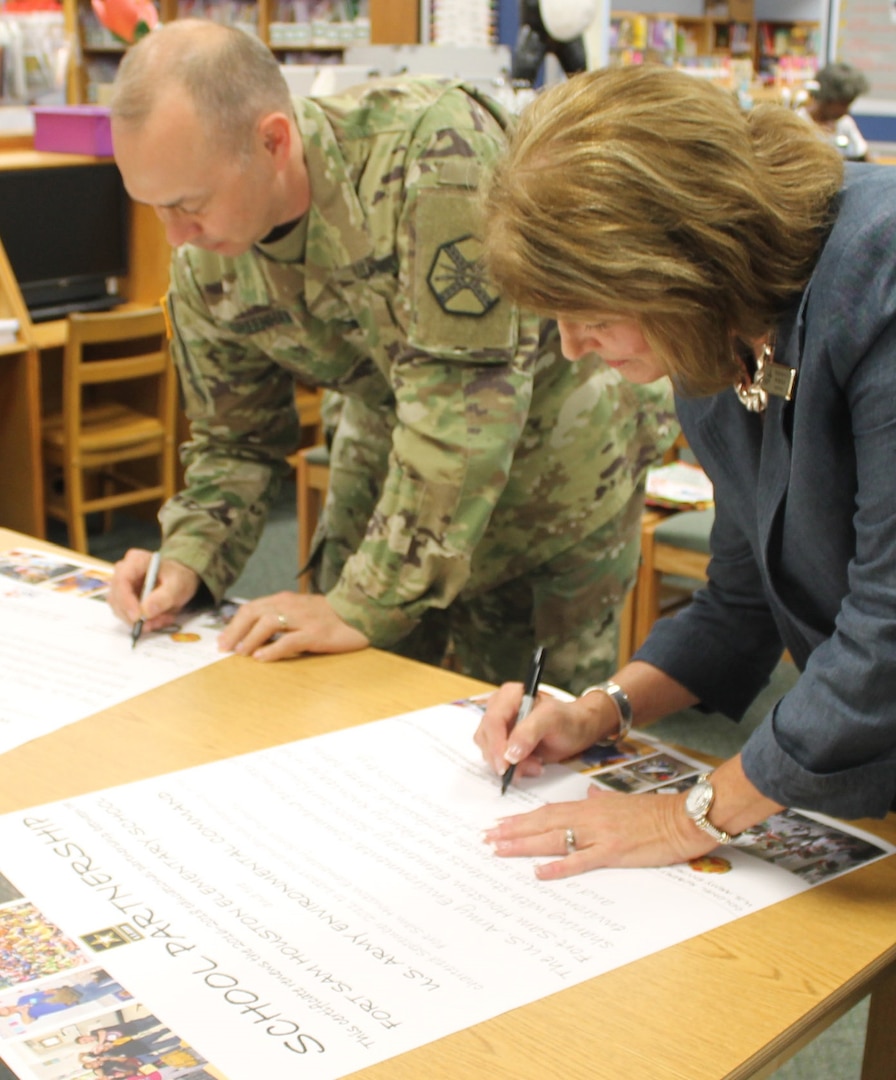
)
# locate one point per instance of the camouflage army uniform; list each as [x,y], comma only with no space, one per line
[472,466]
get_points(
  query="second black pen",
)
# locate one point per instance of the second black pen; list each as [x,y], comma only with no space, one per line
[530,692]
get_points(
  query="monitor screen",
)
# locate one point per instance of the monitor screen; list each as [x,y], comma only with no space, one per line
[65,230]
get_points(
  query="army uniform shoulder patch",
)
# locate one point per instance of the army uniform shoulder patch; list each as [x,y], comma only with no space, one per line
[455,307]
[458,280]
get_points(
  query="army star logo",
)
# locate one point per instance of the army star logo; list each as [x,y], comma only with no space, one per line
[111,938]
[457,279]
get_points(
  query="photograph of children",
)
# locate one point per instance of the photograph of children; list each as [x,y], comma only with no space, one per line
[812,850]
[32,947]
[58,1001]
[647,773]
[124,1044]
[597,758]
[83,582]
[33,567]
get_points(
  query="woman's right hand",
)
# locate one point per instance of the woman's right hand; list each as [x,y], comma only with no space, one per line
[553,731]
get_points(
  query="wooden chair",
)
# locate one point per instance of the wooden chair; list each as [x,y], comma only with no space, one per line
[674,544]
[309,403]
[113,444]
[626,629]
[312,481]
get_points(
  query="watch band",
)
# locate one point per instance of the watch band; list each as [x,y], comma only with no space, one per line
[701,820]
[623,706]
[719,835]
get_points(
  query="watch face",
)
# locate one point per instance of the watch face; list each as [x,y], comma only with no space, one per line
[699,799]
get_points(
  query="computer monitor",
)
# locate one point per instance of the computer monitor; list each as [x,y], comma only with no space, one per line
[65,231]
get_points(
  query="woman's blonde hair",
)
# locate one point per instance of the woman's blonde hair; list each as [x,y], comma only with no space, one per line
[647,193]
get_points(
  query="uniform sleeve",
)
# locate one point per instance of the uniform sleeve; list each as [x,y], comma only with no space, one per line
[243,424]
[462,380]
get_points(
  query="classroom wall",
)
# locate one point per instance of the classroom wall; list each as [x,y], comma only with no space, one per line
[865,35]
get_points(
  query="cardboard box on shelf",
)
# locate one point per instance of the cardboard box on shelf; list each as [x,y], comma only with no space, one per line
[73,129]
[741,10]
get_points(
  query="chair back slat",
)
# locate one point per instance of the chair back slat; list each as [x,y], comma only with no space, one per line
[110,422]
[122,369]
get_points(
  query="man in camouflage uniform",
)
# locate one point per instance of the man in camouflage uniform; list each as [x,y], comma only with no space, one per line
[481,487]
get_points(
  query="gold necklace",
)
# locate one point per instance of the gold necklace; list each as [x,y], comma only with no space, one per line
[769,378]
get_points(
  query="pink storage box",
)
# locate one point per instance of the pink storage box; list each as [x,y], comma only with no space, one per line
[73,129]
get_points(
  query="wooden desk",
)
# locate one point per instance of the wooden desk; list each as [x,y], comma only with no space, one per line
[733,1003]
[21,492]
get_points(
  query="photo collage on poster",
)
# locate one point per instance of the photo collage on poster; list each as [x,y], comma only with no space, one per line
[66,1018]
[54,572]
[67,577]
[813,849]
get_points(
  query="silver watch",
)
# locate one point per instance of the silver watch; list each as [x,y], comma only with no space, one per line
[697,805]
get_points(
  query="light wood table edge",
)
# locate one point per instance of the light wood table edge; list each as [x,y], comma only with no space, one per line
[622,991]
[878,1063]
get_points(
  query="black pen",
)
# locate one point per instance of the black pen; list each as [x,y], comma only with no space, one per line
[149,583]
[530,691]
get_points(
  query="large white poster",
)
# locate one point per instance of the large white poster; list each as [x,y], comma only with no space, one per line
[315,908]
[64,655]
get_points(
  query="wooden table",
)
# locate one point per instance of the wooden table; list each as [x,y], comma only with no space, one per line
[732,1003]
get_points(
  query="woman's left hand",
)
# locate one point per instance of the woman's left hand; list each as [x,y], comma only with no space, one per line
[605,829]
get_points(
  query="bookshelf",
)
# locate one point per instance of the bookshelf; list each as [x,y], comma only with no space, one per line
[717,42]
[788,51]
[636,38]
[329,29]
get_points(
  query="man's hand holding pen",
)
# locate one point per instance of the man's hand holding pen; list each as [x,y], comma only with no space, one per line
[175,586]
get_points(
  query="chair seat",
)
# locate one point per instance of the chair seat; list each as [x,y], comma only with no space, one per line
[106,427]
[687,529]
[318,455]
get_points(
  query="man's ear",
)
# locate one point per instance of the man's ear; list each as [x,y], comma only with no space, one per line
[276,137]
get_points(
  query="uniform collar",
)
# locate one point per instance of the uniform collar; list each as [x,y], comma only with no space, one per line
[337,235]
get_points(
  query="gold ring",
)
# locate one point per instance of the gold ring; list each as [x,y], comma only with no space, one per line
[570,841]
[282,620]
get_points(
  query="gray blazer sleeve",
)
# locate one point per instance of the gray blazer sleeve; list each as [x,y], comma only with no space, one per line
[804,548]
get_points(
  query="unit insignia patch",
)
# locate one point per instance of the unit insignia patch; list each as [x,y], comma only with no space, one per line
[458,281]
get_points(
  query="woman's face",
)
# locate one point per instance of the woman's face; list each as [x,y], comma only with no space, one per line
[618,342]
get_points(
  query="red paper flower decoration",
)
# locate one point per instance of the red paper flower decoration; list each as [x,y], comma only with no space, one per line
[128,20]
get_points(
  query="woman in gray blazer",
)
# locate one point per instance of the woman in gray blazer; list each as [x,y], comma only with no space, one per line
[672,234]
